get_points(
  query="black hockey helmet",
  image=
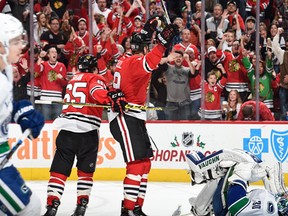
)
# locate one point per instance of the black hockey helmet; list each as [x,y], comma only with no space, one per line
[87,63]
[138,42]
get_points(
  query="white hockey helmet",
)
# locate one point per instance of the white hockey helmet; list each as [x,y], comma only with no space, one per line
[10,28]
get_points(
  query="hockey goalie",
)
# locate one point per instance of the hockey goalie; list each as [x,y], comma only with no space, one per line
[226,175]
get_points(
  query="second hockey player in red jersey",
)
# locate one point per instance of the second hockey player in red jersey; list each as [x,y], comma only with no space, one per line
[131,78]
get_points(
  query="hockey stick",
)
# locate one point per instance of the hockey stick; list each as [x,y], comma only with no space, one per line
[26,133]
[128,106]
[165,12]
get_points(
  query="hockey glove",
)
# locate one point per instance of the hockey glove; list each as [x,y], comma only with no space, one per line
[117,100]
[166,36]
[27,117]
[149,28]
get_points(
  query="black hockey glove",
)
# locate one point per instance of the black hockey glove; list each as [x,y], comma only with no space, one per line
[117,100]
[166,36]
[149,28]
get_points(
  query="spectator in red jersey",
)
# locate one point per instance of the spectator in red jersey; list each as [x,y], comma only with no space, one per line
[232,12]
[195,90]
[53,81]
[251,8]
[212,94]
[248,112]
[122,24]
[185,44]
[78,136]
[133,11]
[74,48]
[138,24]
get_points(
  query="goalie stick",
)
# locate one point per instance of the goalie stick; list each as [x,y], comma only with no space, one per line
[128,106]
[26,133]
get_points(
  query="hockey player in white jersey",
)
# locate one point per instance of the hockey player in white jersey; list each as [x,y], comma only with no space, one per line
[15,197]
[226,175]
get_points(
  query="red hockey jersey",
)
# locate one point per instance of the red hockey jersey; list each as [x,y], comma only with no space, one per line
[51,85]
[83,88]
[133,75]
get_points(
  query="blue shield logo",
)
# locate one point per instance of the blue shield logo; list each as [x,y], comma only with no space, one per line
[279,142]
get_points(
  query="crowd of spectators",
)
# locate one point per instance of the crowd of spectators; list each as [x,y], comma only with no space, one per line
[61,34]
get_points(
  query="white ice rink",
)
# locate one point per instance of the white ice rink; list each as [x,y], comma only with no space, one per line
[162,198]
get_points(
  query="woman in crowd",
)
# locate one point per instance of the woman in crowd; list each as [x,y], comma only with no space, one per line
[231,108]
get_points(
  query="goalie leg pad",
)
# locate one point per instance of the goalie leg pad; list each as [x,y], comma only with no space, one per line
[201,205]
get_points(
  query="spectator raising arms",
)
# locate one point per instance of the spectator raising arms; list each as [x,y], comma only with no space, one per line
[53,81]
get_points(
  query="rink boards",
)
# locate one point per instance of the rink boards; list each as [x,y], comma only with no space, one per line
[268,141]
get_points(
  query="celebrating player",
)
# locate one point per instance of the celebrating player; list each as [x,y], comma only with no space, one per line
[15,197]
[78,136]
[226,185]
[131,79]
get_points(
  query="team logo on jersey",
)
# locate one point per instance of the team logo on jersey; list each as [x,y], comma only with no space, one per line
[279,142]
[25,189]
[52,75]
[187,139]
[233,65]
[209,97]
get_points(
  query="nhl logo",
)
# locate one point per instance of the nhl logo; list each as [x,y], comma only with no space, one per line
[187,139]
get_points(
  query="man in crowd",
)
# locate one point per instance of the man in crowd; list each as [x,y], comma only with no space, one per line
[248,112]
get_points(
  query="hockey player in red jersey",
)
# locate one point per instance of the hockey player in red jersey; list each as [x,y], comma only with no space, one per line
[78,136]
[132,77]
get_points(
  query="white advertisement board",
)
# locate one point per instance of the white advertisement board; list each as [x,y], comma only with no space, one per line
[172,141]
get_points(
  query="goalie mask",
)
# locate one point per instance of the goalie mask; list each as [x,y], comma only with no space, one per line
[282,203]
[87,63]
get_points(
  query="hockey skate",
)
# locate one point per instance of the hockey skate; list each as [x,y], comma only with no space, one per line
[81,208]
[138,211]
[126,212]
[52,209]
